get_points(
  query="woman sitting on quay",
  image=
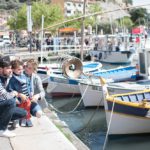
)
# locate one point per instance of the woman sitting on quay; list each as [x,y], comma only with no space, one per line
[35,87]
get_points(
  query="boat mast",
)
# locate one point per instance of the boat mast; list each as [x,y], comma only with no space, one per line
[82,30]
[42,38]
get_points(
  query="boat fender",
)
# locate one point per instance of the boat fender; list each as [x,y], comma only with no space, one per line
[137,71]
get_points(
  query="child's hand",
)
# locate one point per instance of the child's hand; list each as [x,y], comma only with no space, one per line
[15,93]
[17,101]
[35,98]
[23,97]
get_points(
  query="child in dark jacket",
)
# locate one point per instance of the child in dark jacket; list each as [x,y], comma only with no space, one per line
[18,82]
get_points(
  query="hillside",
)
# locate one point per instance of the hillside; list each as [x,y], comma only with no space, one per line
[14,4]
[9,4]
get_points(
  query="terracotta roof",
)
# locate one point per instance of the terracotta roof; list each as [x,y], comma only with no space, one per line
[69,29]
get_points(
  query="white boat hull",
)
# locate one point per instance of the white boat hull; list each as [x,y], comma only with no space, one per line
[126,124]
[92,95]
[114,57]
[57,89]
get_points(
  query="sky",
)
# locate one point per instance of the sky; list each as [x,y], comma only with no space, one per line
[142,2]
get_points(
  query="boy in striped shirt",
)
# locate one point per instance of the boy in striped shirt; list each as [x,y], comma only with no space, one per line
[18,82]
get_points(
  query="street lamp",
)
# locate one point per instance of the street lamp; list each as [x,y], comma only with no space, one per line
[29,24]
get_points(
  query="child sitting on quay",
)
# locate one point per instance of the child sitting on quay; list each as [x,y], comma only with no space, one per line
[18,82]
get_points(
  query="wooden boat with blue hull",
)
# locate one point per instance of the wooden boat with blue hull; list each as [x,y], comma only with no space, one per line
[128,113]
[60,86]
[44,70]
[119,74]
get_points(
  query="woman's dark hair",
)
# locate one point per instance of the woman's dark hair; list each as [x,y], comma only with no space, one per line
[4,62]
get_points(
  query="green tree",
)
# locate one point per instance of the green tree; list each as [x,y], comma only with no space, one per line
[128,2]
[52,14]
[75,24]
[105,27]
[124,22]
[88,20]
[138,16]
[94,21]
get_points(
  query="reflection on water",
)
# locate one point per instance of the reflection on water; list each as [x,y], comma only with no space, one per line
[89,124]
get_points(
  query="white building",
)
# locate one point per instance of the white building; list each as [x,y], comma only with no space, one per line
[73,7]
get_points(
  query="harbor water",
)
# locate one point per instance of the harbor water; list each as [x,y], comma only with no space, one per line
[89,125]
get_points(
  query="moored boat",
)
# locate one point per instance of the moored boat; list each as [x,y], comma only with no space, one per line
[91,90]
[128,113]
[112,57]
[44,70]
[58,85]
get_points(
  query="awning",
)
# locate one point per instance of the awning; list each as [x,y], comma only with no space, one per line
[68,29]
[138,30]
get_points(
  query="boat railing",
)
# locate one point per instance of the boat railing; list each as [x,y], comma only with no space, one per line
[67,47]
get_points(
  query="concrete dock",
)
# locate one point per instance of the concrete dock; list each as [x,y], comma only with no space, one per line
[44,135]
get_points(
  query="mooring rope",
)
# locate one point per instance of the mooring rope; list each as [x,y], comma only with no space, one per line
[109,125]
[89,121]
[52,107]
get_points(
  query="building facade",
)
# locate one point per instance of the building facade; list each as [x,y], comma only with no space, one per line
[72,7]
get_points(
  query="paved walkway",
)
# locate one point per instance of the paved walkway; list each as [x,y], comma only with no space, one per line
[43,136]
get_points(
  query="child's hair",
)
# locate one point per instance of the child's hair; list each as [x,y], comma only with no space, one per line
[16,63]
[34,64]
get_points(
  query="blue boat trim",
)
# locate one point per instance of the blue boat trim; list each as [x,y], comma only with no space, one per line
[92,65]
[116,63]
[63,80]
[119,108]
[130,72]
[135,104]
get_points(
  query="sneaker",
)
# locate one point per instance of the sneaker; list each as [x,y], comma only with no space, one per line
[29,123]
[23,123]
[7,133]
[15,124]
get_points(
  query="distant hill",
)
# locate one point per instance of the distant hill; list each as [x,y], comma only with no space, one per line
[15,4]
[9,4]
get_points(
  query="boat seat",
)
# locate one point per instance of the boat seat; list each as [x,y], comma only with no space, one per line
[140,97]
[146,95]
[120,97]
[133,98]
[126,98]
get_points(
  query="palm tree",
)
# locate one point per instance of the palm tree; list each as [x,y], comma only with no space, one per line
[95,8]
